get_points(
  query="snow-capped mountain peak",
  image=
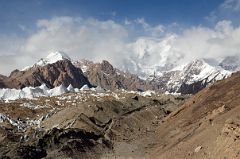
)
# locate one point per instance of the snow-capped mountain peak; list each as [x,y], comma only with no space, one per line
[192,77]
[58,55]
[203,69]
[50,59]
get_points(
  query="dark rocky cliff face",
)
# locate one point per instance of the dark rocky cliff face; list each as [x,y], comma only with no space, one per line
[192,88]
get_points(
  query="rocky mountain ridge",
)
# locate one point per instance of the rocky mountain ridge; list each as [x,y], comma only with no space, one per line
[57,68]
[106,76]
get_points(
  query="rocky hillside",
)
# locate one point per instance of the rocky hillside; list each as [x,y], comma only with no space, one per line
[205,126]
[83,125]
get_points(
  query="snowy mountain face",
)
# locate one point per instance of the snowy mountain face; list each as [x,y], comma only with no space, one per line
[200,70]
[50,59]
[192,77]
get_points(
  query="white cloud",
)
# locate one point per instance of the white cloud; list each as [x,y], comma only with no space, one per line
[127,22]
[172,50]
[142,22]
[22,27]
[97,40]
[233,5]
[229,9]
[218,42]
[157,30]
[81,38]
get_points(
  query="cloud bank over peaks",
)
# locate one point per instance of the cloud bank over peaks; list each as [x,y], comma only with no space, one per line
[150,48]
[148,55]
[80,38]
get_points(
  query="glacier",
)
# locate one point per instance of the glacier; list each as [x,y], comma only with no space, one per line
[7,94]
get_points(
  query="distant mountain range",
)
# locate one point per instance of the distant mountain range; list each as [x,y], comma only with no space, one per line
[58,69]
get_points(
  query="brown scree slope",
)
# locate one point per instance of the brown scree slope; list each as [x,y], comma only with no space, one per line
[206,126]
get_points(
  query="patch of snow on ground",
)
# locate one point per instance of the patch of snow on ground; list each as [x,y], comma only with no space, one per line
[147,93]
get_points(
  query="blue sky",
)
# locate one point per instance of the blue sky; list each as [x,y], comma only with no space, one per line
[17,14]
